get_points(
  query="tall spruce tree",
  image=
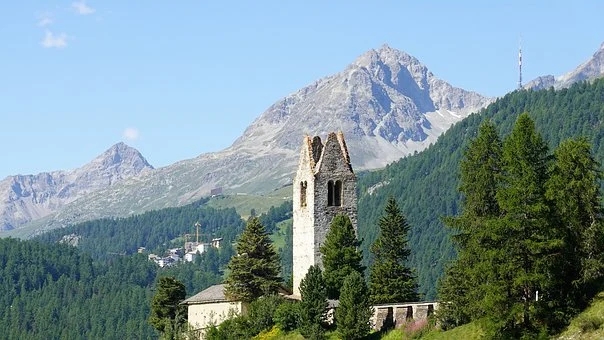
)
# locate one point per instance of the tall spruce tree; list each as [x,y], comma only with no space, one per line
[533,256]
[525,235]
[313,304]
[354,310]
[167,315]
[254,271]
[462,287]
[574,189]
[341,254]
[391,280]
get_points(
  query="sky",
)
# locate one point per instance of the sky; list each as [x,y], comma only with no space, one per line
[176,79]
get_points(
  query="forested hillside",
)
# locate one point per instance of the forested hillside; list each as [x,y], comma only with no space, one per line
[55,291]
[102,288]
[155,230]
[425,185]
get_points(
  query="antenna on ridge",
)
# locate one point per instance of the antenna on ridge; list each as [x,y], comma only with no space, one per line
[520,63]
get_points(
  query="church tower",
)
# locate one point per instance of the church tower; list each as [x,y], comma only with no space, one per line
[324,187]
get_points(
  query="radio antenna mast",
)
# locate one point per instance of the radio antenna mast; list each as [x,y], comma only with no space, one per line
[197,225]
[520,64]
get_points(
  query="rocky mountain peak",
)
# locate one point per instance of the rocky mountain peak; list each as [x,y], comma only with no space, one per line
[28,197]
[123,156]
[393,67]
[591,69]
[385,55]
[385,96]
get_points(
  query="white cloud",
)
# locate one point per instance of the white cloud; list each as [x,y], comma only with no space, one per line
[131,134]
[54,41]
[81,8]
[45,19]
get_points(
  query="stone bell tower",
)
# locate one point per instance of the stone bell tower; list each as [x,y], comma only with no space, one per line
[324,187]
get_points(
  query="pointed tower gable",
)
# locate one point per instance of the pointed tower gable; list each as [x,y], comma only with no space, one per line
[325,186]
[307,160]
[344,148]
[334,156]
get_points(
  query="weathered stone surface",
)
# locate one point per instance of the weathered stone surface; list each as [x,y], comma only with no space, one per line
[423,311]
[384,319]
[403,313]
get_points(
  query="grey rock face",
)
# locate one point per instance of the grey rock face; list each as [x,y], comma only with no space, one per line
[386,103]
[591,69]
[28,197]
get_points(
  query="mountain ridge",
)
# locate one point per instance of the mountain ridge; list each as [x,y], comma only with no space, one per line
[588,70]
[30,197]
[386,102]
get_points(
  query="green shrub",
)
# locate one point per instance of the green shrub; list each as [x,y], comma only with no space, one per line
[262,312]
[312,331]
[235,328]
[288,316]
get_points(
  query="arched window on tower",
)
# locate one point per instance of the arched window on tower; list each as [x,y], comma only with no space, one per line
[334,193]
[303,186]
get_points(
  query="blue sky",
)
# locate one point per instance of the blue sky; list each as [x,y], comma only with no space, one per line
[179,78]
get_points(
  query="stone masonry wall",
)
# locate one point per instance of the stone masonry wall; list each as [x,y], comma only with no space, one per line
[303,232]
[319,163]
[333,166]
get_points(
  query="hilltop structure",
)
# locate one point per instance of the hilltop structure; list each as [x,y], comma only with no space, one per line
[324,186]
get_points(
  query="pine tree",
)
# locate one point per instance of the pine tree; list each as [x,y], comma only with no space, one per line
[391,280]
[462,288]
[167,314]
[254,271]
[313,305]
[574,189]
[341,254]
[354,311]
[524,234]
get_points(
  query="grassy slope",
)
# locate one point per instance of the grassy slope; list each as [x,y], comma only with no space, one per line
[466,332]
[278,237]
[589,324]
[243,204]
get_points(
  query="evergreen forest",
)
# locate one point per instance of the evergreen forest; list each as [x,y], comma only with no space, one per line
[425,185]
[102,287]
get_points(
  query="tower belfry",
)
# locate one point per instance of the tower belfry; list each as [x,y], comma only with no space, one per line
[324,186]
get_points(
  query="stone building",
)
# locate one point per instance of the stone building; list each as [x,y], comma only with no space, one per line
[211,307]
[324,186]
